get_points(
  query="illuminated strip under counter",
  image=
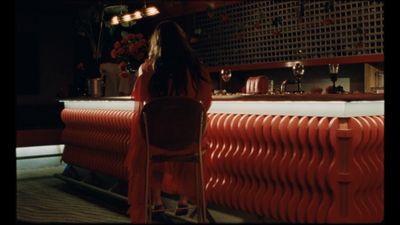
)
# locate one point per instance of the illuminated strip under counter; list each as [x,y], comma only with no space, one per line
[300,108]
[291,108]
[99,104]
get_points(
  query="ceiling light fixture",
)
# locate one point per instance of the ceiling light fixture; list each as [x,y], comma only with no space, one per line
[136,15]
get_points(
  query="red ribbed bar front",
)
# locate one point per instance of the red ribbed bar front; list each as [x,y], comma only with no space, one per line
[298,169]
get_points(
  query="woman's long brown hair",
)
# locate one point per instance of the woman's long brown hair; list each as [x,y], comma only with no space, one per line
[172,59]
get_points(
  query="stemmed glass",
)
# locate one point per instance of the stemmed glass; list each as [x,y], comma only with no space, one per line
[333,73]
[298,72]
[225,76]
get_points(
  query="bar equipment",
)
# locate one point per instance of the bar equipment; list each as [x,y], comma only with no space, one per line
[95,87]
[333,73]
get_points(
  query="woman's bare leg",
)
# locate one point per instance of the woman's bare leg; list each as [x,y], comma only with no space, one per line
[156,188]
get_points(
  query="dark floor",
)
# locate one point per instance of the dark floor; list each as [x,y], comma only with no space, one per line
[43,198]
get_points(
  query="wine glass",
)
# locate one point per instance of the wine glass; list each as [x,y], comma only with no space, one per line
[333,73]
[298,72]
[225,75]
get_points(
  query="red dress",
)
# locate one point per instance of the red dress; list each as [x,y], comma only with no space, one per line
[178,176]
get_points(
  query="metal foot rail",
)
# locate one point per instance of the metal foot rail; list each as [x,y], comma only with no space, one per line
[92,187]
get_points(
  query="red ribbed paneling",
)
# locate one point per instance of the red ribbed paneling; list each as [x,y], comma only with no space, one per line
[287,168]
[97,139]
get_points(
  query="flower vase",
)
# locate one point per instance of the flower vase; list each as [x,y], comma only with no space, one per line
[127,69]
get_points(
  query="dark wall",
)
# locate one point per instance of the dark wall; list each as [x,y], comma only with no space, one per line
[44,52]
[27,49]
[27,56]
[44,62]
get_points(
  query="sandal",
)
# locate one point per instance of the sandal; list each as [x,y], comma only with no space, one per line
[158,208]
[182,209]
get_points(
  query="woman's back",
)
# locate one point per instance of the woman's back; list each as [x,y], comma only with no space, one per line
[172,69]
[141,90]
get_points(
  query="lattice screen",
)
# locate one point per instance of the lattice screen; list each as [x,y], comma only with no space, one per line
[273,31]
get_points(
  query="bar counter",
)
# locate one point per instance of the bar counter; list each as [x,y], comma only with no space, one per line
[292,158]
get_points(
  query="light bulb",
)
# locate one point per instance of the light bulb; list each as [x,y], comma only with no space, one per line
[137,15]
[127,18]
[151,11]
[114,20]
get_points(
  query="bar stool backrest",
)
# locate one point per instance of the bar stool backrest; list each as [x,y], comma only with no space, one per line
[172,123]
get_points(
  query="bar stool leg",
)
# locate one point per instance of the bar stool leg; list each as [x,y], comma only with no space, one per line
[198,196]
[148,214]
[202,194]
[148,209]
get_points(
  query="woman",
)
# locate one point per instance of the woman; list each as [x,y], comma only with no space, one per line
[172,69]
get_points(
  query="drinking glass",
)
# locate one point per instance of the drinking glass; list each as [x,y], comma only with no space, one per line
[225,75]
[298,73]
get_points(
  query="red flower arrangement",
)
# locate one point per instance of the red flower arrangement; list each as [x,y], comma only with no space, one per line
[130,52]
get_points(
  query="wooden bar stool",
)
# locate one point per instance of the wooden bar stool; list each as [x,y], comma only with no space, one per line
[176,125]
